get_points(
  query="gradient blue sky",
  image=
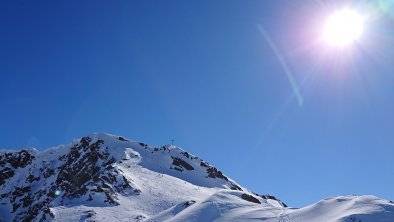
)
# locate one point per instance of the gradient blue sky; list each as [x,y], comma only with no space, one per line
[203,73]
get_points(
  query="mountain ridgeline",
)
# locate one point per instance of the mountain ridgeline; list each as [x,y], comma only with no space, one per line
[103,177]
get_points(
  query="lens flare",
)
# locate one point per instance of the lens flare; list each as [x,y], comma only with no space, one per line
[58,192]
[343,28]
[387,6]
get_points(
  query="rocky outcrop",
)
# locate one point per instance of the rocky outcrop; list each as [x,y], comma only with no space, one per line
[250,198]
[31,183]
[86,171]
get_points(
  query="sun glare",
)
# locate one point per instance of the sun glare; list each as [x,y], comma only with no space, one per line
[343,28]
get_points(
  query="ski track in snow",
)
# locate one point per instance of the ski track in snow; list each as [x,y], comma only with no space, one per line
[283,217]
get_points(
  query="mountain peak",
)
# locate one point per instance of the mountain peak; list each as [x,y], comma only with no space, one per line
[104,177]
[96,169]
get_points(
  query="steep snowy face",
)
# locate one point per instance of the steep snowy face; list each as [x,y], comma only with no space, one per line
[101,170]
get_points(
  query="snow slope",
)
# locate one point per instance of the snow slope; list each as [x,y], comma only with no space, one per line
[104,177]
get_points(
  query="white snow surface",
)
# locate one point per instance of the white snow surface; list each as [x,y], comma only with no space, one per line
[150,184]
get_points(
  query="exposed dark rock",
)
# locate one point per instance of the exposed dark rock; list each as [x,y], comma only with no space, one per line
[34,210]
[27,201]
[181,163]
[20,191]
[4,195]
[215,173]
[188,203]
[139,218]
[111,198]
[15,206]
[63,157]
[5,174]
[49,172]
[271,198]
[143,145]
[250,198]
[176,168]
[17,159]
[267,196]
[32,178]
[235,186]
[85,141]
[14,159]
[122,139]
[137,191]
[186,154]
[78,171]
[204,164]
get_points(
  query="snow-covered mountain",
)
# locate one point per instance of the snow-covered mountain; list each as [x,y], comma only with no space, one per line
[109,178]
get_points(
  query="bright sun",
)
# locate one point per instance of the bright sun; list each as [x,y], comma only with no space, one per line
[343,28]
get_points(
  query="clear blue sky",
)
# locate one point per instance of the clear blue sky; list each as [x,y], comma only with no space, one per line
[203,73]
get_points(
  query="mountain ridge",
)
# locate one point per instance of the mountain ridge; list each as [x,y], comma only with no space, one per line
[106,177]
